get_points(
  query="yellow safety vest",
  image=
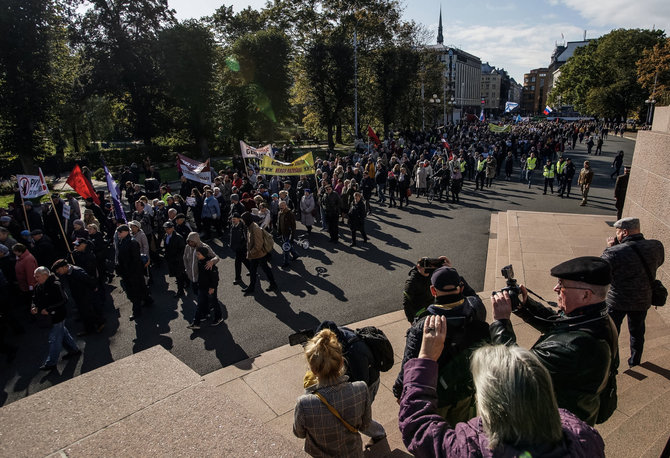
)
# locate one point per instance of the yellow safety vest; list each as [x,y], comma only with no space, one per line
[481,165]
[531,162]
[560,166]
[548,171]
[462,166]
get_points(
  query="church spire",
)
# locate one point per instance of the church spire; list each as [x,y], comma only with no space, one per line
[440,38]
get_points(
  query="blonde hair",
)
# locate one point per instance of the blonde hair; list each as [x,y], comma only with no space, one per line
[324,355]
[515,397]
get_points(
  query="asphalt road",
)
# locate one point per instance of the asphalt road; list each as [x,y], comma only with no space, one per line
[338,283]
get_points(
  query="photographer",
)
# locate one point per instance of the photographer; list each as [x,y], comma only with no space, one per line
[417,295]
[466,321]
[578,345]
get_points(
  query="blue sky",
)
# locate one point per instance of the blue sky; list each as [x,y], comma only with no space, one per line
[515,35]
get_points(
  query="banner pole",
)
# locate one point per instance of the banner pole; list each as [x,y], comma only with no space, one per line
[25,214]
[67,245]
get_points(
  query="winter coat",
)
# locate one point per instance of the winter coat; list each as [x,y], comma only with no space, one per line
[210,208]
[238,237]
[287,223]
[25,270]
[174,254]
[255,240]
[49,296]
[425,433]
[191,260]
[307,206]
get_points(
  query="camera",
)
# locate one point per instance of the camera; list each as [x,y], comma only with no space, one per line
[430,264]
[512,288]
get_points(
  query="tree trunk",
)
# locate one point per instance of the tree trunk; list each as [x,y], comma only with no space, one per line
[204,149]
[75,140]
[331,144]
[338,132]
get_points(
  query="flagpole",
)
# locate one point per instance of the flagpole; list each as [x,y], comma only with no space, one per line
[25,214]
[60,225]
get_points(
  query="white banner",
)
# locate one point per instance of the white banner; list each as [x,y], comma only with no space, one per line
[31,186]
[249,152]
[194,170]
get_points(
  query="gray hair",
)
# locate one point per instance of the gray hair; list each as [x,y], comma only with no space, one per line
[42,270]
[515,397]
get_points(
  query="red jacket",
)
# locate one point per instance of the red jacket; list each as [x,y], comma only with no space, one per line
[25,270]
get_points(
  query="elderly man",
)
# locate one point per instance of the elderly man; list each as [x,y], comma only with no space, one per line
[578,345]
[49,300]
[634,261]
[287,232]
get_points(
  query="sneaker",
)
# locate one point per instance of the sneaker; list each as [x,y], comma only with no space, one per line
[237,281]
[217,322]
[193,326]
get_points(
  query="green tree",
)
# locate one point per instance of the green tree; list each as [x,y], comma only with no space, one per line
[119,40]
[653,72]
[601,79]
[32,53]
[187,58]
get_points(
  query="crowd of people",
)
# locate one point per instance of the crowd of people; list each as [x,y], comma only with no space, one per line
[47,260]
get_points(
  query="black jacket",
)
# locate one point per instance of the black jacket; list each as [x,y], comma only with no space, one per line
[130,262]
[207,278]
[82,286]
[87,261]
[49,296]
[174,254]
[238,237]
[357,213]
[44,251]
[578,350]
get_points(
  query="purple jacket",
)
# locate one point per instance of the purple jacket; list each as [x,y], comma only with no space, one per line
[425,433]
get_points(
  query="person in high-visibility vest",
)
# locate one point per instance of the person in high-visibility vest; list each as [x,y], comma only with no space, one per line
[479,177]
[560,175]
[548,174]
[531,164]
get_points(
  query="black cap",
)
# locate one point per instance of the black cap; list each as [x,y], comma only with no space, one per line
[203,251]
[236,215]
[79,241]
[89,200]
[588,269]
[180,215]
[36,232]
[168,224]
[445,279]
[123,228]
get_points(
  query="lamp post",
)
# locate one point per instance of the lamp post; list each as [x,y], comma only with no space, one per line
[435,101]
[650,110]
[451,108]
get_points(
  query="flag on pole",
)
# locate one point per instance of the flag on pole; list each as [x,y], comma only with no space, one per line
[113,192]
[194,170]
[518,118]
[509,106]
[81,184]
[31,186]
[373,136]
[547,110]
[481,116]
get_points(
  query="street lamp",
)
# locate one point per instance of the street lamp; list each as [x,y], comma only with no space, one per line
[451,108]
[435,101]
[650,110]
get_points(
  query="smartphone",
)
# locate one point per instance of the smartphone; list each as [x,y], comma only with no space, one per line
[300,337]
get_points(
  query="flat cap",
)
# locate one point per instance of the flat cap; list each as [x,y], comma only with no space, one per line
[628,223]
[5,219]
[79,241]
[123,228]
[445,279]
[36,232]
[168,224]
[587,269]
[58,264]
[180,215]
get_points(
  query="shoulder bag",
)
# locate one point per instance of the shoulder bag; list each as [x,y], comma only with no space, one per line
[335,412]
[659,294]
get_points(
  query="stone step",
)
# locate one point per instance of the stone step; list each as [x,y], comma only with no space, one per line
[502,250]
[490,272]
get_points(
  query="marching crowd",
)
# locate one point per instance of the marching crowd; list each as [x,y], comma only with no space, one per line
[47,260]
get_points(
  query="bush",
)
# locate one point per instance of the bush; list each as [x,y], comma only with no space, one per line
[99,174]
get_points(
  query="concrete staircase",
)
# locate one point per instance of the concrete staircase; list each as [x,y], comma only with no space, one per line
[535,242]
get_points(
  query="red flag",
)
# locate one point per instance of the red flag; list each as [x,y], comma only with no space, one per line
[373,136]
[79,183]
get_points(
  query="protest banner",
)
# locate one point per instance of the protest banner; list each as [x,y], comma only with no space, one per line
[194,170]
[304,165]
[499,129]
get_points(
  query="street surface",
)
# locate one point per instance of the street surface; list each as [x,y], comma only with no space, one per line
[337,283]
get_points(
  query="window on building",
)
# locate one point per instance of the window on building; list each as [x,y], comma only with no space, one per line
[532,88]
[543,74]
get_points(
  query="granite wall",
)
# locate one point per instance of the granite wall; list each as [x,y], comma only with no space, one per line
[648,195]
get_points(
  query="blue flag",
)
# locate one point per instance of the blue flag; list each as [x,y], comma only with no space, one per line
[509,106]
[114,193]
[481,115]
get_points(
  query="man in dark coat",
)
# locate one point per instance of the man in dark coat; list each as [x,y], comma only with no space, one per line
[332,204]
[34,219]
[83,290]
[84,257]
[43,249]
[131,269]
[579,343]
[633,260]
[49,300]
[174,256]
[238,243]
[357,218]
[467,329]
[208,281]
[287,232]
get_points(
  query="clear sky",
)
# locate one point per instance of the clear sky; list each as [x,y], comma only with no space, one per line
[514,35]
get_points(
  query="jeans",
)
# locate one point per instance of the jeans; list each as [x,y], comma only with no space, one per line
[59,336]
[324,220]
[636,329]
[381,190]
[529,176]
[205,302]
[375,430]
[263,263]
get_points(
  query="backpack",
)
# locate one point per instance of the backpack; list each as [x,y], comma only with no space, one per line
[268,242]
[379,345]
